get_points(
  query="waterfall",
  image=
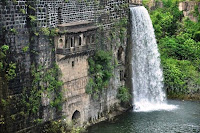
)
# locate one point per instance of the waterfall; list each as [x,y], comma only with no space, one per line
[147,75]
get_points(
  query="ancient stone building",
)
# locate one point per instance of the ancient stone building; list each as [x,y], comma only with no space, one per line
[25,27]
[73,48]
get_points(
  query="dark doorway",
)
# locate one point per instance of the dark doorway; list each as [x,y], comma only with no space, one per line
[119,53]
[76,117]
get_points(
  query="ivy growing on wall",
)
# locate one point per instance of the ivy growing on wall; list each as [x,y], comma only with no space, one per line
[7,73]
[7,68]
[100,70]
[119,30]
[45,85]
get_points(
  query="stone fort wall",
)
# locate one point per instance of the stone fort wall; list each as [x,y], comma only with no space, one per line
[15,16]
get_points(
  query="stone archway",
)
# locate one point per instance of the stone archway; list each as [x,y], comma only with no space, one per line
[76,117]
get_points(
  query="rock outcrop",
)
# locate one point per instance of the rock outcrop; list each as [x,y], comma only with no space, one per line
[188,8]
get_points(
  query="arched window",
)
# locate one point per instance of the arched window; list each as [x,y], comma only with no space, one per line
[80,41]
[93,39]
[119,53]
[60,40]
[60,44]
[75,117]
[72,42]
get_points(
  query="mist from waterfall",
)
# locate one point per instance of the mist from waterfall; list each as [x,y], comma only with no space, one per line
[147,75]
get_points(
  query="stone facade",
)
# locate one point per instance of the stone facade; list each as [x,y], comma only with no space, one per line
[74,68]
[26,49]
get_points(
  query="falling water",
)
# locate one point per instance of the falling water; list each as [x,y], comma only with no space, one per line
[147,76]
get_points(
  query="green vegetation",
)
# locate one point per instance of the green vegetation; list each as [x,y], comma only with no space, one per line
[7,73]
[179,44]
[124,94]
[45,84]
[119,30]
[7,68]
[22,11]
[14,31]
[100,70]
[54,127]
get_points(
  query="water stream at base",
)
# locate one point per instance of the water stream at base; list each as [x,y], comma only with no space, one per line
[147,75]
[184,119]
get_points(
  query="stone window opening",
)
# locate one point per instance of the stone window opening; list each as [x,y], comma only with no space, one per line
[121,75]
[60,43]
[61,40]
[80,41]
[92,39]
[72,42]
[119,53]
[72,63]
[76,117]
[59,15]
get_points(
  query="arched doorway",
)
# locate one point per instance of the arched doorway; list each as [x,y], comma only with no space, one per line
[76,117]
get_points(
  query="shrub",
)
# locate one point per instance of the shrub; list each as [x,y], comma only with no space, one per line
[123,94]
[100,70]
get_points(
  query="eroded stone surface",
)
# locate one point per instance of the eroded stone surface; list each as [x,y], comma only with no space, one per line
[188,8]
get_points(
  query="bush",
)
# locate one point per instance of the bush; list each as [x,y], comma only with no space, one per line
[100,69]
[123,94]
[197,35]
[178,41]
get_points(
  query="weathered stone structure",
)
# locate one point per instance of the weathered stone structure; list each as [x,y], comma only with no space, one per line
[20,25]
[153,4]
[188,8]
[73,48]
[136,2]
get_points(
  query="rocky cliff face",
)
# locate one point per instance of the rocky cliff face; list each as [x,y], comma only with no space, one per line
[153,4]
[188,8]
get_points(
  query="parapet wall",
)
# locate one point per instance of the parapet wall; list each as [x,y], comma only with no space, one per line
[50,13]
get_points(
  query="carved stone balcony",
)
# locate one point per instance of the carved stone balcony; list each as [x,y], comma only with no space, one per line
[75,50]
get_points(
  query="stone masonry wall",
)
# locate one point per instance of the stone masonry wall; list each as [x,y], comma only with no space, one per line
[14,16]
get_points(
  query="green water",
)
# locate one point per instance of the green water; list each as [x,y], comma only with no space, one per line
[184,119]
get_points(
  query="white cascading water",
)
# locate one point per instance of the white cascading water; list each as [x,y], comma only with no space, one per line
[147,75]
